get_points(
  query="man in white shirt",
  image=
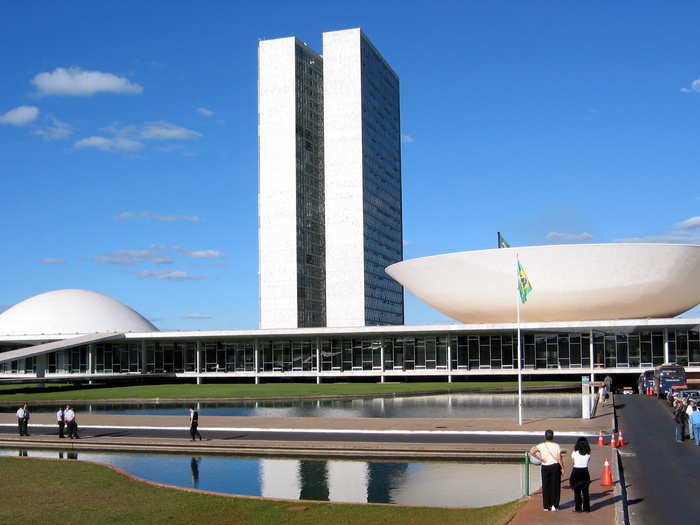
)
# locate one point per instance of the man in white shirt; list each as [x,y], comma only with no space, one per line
[23,420]
[60,421]
[71,423]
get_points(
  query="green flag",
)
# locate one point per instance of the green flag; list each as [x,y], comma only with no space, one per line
[524,284]
[502,243]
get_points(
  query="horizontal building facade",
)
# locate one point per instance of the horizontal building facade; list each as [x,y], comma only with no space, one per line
[396,352]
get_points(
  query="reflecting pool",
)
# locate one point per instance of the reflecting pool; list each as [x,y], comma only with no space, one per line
[458,405]
[422,483]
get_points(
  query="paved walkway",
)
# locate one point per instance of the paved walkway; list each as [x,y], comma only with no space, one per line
[661,475]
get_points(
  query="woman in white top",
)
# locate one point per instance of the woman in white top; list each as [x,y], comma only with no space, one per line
[580,478]
[549,453]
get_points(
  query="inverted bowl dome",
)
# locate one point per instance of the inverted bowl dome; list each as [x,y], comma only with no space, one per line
[71,312]
[574,282]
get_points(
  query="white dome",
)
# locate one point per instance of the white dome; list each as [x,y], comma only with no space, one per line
[71,312]
[574,282]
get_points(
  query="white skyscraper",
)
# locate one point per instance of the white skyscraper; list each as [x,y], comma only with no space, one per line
[330,210]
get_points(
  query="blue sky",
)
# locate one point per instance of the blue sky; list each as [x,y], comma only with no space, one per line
[128,144]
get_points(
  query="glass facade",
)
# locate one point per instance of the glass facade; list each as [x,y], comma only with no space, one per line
[311,254]
[404,352]
[381,166]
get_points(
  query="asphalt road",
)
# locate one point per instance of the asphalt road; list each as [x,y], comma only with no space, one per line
[298,436]
[661,475]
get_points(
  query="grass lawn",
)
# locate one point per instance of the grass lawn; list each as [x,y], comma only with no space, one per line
[224,390]
[72,492]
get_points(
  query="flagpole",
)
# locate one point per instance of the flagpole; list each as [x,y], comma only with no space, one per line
[520,373]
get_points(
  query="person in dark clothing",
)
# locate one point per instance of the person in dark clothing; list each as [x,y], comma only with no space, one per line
[549,453]
[194,423]
[679,420]
[580,477]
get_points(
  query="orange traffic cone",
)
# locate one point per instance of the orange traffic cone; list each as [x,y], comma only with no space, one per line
[620,440]
[613,442]
[606,478]
[601,441]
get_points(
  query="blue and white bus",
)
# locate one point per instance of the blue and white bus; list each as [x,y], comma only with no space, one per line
[669,377]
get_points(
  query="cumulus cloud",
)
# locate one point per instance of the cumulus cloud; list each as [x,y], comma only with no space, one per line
[175,275]
[205,111]
[407,139]
[563,236]
[20,115]
[75,81]
[195,316]
[52,260]
[692,223]
[133,137]
[154,254]
[694,87]
[127,215]
[108,144]
[54,130]
[199,254]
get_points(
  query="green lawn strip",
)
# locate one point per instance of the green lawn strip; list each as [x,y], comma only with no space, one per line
[221,390]
[40,491]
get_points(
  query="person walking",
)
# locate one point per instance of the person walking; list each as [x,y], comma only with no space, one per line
[695,424]
[194,423]
[23,419]
[678,415]
[71,423]
[61,423]
[549,453]
[580,477]
[608,382]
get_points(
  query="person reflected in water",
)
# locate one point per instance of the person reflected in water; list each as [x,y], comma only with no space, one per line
[194,471]
[194,423]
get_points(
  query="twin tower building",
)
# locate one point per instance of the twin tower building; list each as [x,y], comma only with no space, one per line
[330,212]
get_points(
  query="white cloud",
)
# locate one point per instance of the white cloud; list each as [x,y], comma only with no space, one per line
[127,215]
[692,223]
[78,82]
[20,115]
[54,130]
[205,111]
[681,237]
[52,260]
[162,130]
[109,144]
[406,242]
[195,316]
[175,275]
[694,87]
[153,255]
[199,254]
[407,139]
[562,236]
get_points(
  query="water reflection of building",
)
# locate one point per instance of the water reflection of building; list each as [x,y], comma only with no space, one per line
[279,478]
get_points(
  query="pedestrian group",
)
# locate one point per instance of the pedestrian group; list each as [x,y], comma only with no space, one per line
[549,454]
[65,418]
[686,416]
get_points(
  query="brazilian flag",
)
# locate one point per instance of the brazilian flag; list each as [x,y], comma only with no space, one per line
[502,243]
[524,284]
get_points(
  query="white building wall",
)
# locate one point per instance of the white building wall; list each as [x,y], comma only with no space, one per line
[342,112]
[277,183]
